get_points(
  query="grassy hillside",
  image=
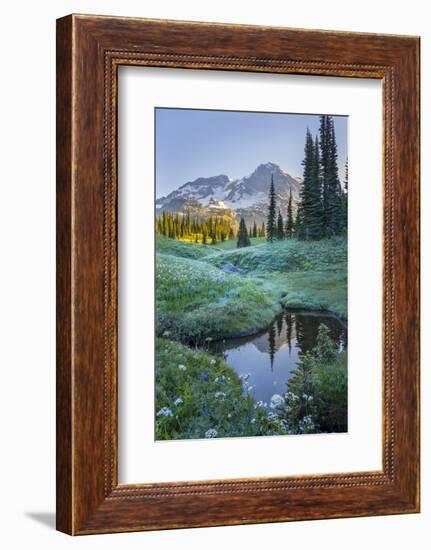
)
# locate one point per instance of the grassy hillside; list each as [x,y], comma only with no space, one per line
[286,256]
[183,249]
[200,296]
[196,300]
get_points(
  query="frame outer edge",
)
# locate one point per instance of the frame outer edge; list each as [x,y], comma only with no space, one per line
[64,368]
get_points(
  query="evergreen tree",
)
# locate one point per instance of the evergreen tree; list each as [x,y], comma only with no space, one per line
[271,229]
[289,221]
[280,227]
[335,214]
[346,176]
[344,198]
[243,238]
[334,219]
[309,215]
[254,230]
[324,134]
[262,230]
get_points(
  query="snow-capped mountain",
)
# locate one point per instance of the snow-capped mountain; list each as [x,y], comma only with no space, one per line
[247,196]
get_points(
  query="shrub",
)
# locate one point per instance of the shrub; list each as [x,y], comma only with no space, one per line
[316,397]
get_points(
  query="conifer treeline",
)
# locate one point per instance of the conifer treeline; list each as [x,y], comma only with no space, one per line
[203,230]
[322,210]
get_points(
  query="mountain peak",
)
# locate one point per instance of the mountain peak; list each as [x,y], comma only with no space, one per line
[246,196]
[268,167]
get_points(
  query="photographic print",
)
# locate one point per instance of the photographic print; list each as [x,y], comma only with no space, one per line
[251,225]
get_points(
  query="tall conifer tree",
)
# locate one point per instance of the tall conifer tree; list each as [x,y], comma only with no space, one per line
[243,238]
[305,220]
[271,228]
[289,221]
[280,227]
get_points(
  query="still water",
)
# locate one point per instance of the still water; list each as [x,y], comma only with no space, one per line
[270,356]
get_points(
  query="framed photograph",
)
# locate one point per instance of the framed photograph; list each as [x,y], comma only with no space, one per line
[237,274]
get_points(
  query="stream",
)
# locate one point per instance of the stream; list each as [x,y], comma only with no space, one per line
[270,356]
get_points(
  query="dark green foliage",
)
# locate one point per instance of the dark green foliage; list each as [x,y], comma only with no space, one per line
[334,219]
[344,199]
[271,226]
[289,221]
[316,400]
[309,221]
[254,234]
[280,227]
[243,238]
[322,210]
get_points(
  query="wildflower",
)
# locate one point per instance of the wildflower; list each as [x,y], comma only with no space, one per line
[166,334]
[229,415]
[182,367]
[209,434]
[213,362]
[178,401]
[220,378]
[164,411]
[291,396]
[260,404]
[204,376]
[253,421]
[219,394]
[276,401]
[307,397]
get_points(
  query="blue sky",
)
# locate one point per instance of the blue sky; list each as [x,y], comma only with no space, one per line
[201,143]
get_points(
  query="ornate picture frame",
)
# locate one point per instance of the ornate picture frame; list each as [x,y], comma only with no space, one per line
[89,51]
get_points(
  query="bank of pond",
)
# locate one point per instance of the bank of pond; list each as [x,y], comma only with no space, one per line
[288,379]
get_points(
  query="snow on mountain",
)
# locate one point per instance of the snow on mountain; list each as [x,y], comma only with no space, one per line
[247,196]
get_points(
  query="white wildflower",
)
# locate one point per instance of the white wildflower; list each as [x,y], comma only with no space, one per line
[260,404]
[211,433]
[220,378]
[276,401]
[164,411]
[213,362]
[220,394]
[182,367]
[178,401]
